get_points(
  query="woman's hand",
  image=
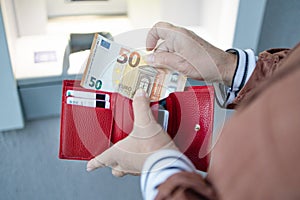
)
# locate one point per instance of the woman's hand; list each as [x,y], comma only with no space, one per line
[184,51]
[128,155]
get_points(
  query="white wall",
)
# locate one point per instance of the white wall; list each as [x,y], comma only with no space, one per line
[216,18]
[65,7]
[31,17]
[219,19]
[144,14]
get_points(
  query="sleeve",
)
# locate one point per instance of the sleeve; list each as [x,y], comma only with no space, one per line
[267,63]
[159,167]
[250,72]
[246,62]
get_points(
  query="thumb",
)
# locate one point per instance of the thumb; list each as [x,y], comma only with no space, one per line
[104,159]
[141,108]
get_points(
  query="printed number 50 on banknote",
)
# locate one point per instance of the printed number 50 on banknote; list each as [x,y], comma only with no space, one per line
[116,68]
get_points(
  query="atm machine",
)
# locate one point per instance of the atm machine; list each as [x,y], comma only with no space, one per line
[41,53]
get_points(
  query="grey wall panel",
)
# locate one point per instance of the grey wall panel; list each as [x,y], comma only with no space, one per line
[10,108]
[41,101]
[280,26]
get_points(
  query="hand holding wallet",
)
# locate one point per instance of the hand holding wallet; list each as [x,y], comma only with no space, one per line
[88,131]
[147,136]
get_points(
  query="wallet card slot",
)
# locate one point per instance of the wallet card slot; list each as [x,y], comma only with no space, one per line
[72,85]
[68,90]
[123,117]
[85,131]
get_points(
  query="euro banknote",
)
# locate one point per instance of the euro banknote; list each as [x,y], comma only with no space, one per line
[114,67]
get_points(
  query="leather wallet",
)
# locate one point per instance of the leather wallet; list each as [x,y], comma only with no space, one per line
[86,132]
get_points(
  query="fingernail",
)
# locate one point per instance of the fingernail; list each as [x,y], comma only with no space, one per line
[150,59]
[89,169]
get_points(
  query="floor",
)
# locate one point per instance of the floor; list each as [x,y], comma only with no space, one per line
[30,169]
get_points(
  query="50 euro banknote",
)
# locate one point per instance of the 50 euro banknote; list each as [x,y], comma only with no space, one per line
[116,68]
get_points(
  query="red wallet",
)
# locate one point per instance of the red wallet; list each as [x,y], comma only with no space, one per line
[86,132]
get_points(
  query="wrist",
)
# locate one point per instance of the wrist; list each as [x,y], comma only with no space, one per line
[245,64]
[228,68]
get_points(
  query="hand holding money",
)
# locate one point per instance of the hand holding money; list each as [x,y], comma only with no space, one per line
[116,68]
[198,59]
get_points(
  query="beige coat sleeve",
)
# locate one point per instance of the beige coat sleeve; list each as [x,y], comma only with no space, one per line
[234,173]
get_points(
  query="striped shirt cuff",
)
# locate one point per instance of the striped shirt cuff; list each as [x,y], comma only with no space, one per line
[245,67]
[159,167]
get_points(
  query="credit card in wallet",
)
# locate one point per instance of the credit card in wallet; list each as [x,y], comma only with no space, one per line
[163,118]
[88,95]
[88,102]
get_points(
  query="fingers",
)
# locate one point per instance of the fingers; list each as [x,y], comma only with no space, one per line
[159,31]
[117,173]
[141,108]
[192,181]
[172,52]
[110,158]
[102,160]
[170,61]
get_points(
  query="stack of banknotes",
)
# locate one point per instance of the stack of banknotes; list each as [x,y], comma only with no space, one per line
[116,68]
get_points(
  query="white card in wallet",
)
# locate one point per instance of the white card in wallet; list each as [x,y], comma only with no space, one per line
[163,117]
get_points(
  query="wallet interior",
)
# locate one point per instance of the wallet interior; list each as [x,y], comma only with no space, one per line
[86,131]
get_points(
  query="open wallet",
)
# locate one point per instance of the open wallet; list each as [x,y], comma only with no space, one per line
[87,131]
